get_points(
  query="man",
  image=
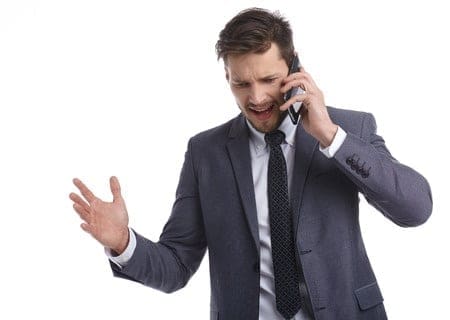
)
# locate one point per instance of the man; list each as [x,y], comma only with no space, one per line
[276,204]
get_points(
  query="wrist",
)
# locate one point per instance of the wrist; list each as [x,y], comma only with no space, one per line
[123,243]
[328,135]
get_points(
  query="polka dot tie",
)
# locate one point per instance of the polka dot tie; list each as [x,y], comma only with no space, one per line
[287,292]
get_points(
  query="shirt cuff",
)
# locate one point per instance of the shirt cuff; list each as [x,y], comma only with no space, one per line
[122,259]
[338,140]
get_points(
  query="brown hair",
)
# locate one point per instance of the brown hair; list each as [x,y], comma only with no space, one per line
[253,31]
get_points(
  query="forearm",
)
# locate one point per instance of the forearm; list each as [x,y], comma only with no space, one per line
[155,265]
[168,264]
[399,192]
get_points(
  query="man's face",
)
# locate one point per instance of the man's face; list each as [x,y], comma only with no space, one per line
[255,80]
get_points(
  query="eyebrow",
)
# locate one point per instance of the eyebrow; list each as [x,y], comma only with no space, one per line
[269,76]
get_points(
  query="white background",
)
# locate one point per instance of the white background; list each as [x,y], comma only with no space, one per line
[91,89]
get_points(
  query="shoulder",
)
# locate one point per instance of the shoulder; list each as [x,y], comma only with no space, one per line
[216,136]
[352,121]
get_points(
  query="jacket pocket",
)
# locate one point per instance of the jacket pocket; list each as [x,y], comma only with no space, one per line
[368,296]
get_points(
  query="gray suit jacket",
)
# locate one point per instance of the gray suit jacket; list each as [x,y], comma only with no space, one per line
[215,209]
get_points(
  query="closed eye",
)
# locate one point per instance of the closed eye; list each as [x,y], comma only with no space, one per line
[270,80]
[240,84]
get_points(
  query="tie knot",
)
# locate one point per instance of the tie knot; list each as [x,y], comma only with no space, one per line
[274,138]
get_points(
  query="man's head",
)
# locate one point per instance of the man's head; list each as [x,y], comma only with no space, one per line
[256,47]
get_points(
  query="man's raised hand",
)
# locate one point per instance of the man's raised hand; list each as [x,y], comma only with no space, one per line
[105,221]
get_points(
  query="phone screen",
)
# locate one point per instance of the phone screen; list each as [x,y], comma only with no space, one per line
[294,110]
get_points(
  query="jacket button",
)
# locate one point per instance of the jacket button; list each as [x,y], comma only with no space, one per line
[361,170]
[355,165]
[256,267]
[351,160]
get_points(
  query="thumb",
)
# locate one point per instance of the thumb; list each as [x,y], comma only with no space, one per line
[115,188]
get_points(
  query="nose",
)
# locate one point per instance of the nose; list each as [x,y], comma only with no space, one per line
[257,94]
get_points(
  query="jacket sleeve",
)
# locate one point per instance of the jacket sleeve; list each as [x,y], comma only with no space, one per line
[398,191]
[168,264]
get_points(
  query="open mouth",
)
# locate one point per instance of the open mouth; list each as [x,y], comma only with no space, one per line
[262,113]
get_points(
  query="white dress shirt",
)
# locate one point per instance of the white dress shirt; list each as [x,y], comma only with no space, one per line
[259,154]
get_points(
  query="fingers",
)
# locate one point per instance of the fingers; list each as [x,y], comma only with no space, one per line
[297,83]
[308,77]
[86,227]
[295,76]
[81,207]
[294,99]
[82,212]
[87,194]
[115,188]
[77,199]
[299,79]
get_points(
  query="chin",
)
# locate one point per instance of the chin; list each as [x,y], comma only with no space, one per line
[266,126]
[269,125]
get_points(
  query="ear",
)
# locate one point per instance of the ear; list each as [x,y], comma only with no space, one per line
[227,75]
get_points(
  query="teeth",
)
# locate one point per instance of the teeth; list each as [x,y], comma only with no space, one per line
[262,110]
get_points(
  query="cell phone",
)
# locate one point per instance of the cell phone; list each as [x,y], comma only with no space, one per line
[294,110]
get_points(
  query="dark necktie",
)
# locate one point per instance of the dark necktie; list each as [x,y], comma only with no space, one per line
[287,292]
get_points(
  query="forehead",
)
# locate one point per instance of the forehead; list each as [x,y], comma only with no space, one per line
[243,66]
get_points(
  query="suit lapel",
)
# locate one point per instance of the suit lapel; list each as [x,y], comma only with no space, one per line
[305,145]
[239,152]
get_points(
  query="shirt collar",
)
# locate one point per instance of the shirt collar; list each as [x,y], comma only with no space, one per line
[257,138]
